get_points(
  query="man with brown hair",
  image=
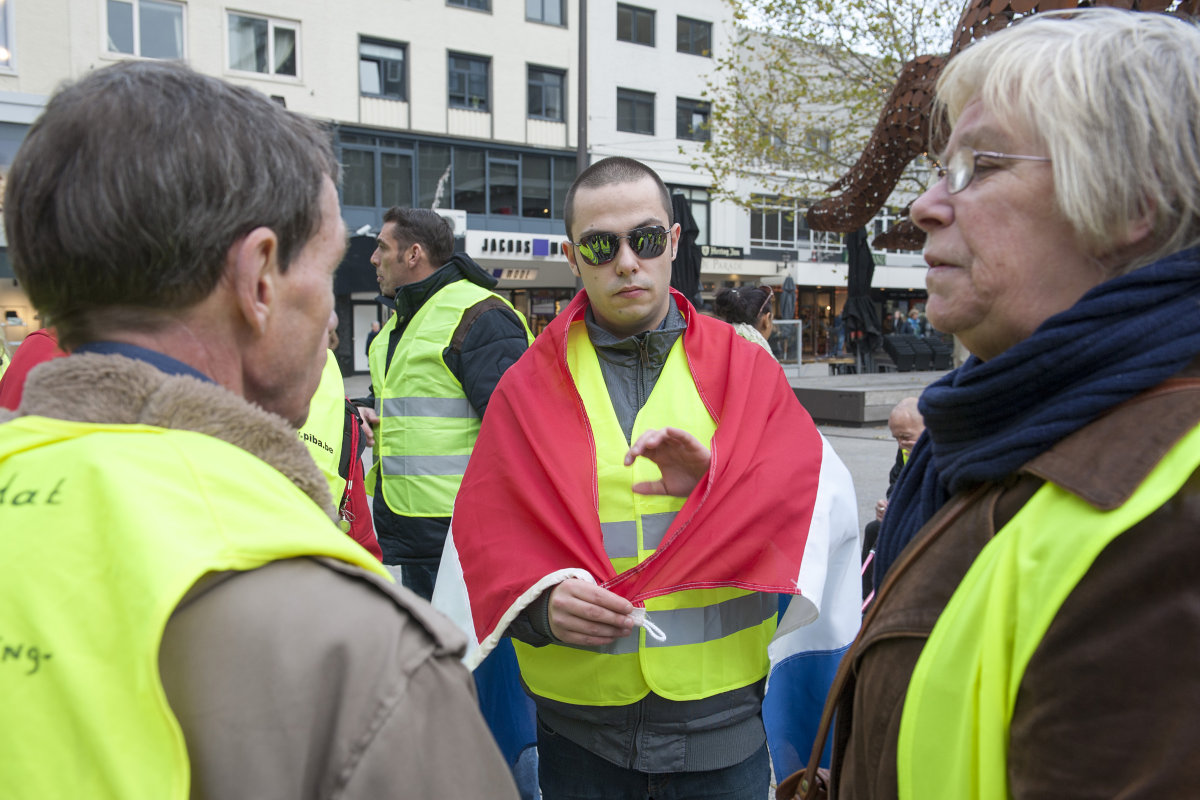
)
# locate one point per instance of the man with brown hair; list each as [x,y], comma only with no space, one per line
[433,368]
[190,621]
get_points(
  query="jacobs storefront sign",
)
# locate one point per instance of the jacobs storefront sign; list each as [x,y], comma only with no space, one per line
[513,245]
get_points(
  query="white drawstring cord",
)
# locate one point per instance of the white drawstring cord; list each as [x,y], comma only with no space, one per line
[653,631]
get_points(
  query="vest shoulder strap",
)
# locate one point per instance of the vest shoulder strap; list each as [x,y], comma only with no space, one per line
[470,316]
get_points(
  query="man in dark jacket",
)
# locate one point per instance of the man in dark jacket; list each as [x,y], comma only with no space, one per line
[906,426]
[433,368]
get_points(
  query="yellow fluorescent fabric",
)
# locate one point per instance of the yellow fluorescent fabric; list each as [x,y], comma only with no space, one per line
[717,638]
[427,428]
[105,528]
[322,431]
[955,725]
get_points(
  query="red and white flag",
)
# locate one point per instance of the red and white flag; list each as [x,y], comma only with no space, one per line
[775,502]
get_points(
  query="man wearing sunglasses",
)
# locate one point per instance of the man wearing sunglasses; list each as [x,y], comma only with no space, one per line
[625,478]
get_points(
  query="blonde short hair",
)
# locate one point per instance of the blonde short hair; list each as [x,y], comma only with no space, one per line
[1114,96]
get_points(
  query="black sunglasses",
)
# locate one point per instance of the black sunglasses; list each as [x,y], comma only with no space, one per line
[601,248]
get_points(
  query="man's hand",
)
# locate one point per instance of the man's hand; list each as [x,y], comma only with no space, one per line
[584,614]
[680,456]
[880,508]
[369,419]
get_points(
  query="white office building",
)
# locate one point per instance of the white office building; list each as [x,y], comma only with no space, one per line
[469,105]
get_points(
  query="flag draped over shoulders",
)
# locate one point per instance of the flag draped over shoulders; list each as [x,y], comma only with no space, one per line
[526,515]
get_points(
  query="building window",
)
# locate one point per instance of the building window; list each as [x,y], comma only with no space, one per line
[468,82]
[693,36]
[547,11]
[377,178]
[776,224]
[635,24]
[358,178]
[699,202]
[258,44]
[6,37]
[147,28]
[433,175]
[635,111]
[691,120]
[818,140]
[381,69]
[502,180]
[382,171]
[470,180]
[481,5]
[535,186]
[546,93]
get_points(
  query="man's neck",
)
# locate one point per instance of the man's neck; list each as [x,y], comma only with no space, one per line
[161,361]
[189,342]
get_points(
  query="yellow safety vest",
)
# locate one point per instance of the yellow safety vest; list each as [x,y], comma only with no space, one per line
[716,639]
[954,729]
[427,427]
[104,529]
[322,431]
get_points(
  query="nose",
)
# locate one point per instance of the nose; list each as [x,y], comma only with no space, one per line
[626,260]
[333,321]
[933,208]
[375,258]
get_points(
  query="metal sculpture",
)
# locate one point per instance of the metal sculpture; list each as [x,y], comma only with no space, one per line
[904,128]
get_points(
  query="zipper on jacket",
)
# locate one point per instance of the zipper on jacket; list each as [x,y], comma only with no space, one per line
[634,750]
[644,361]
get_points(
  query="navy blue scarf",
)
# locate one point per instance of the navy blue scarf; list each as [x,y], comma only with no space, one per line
[987,418]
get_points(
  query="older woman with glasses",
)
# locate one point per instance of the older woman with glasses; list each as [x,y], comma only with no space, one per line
[1035,627]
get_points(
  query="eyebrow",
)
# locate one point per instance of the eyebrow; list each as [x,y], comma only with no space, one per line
[645,223]
[973,138]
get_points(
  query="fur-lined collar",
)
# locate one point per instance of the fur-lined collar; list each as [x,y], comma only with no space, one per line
[116,389]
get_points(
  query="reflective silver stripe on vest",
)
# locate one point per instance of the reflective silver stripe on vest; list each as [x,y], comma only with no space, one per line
[709,623]
[698,625]
[619,647]
[654,528]
[428,407]
[425,465]
[620,539]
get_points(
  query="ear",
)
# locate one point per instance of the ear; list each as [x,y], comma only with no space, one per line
[569,252]
[676,230]
[1140,228]
[253,266]
[1135,240]
[416,260]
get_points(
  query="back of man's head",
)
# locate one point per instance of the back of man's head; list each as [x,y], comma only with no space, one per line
[608,171]
[424,227]
[132,186]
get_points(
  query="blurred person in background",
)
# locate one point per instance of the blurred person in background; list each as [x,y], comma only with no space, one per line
[748,310]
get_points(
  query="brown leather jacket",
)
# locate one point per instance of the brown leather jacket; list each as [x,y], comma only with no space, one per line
[1107,705]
